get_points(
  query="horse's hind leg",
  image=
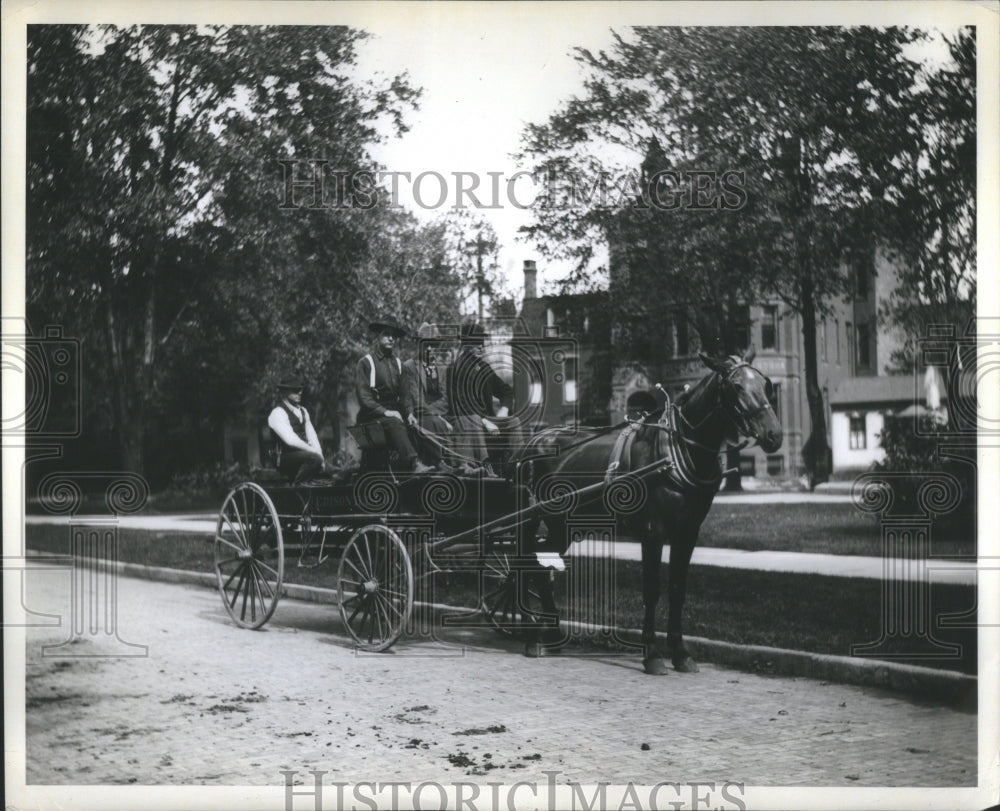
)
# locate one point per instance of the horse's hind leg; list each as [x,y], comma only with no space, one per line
[652,551]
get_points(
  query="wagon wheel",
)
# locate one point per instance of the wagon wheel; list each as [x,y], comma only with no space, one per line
[375,587]
[249,555]
[508,599]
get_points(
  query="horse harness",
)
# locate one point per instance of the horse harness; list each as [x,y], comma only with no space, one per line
[679,466]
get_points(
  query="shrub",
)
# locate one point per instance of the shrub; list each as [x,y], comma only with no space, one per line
[909,451]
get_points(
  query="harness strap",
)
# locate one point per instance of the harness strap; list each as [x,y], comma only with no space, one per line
[620,452]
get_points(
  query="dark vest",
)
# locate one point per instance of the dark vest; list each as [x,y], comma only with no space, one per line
[298,426]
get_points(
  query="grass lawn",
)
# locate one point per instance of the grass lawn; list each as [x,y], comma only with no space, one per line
[801,612]
[828,528]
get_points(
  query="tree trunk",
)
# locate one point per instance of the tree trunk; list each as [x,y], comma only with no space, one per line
[816,451]
[734,480]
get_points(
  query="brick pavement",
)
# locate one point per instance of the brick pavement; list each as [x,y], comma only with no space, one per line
[212,704]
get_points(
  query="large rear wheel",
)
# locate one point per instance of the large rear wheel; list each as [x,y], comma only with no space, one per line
[375,586]
[249,555]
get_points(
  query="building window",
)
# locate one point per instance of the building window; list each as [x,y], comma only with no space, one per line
[748,466]
[682,343]
[858,434]
[862,278]
[849,337]
[569,380]
[775,465]
[863,359]
[836,337]
[822,340]
[769,329]
[775,400]
[536,392]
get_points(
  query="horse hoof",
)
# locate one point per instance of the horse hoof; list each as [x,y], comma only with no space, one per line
[654,666]
[686,665]
[534,650]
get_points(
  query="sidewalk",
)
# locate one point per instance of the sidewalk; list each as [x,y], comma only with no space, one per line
[937,571]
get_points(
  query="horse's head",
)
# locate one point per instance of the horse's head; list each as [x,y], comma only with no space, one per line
[746,400]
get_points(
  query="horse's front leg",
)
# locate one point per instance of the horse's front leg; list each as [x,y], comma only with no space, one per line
[543,634]
[680,561]
[652,553]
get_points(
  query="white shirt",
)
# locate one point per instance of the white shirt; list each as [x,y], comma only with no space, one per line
[279,423]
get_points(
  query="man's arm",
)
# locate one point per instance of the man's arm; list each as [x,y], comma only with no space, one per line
[278,422]
[366,397]
[311,435]
[502,391]
[409,383]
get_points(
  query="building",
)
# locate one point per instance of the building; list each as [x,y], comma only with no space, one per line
[854,357]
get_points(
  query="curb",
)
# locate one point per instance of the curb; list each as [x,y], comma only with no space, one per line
[942,686]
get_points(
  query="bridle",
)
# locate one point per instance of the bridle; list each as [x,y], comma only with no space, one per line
[741,422]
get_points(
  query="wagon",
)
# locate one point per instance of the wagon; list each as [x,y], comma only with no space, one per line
[389,531]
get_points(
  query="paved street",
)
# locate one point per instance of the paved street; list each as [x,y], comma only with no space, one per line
[213,704]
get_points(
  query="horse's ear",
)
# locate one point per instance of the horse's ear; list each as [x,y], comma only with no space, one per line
[750,354]
[713,364]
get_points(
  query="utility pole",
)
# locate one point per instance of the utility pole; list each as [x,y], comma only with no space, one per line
[480,276]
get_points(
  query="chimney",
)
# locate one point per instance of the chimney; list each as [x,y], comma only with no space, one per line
[530,280]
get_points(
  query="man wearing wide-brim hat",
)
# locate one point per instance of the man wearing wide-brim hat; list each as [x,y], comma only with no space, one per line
[425,397]
[299,454]
[378,383]
[473,386]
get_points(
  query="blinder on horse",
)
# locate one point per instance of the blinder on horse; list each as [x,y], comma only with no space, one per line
[742,419]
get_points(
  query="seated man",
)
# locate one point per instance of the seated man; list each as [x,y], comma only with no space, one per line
[425,399]
[299,455]
[472,386]
[379,388]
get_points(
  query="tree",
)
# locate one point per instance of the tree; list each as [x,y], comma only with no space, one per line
[932,228]
[808,120]
[154,191]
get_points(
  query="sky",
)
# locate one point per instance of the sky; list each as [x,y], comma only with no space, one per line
[481,85]
[485,74]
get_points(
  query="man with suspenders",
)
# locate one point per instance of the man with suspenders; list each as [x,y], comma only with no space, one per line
[380,392]
[299,455]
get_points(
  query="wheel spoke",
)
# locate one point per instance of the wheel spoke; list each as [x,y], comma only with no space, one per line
[368,554]
[239,585]
[364,577]
[240,527]
[388,604]
[262,580]
[259,562]
[227,542]
[230,580]
[356,610]
[246,591]
[236,532]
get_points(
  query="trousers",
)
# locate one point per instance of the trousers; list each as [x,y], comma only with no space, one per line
[299,465]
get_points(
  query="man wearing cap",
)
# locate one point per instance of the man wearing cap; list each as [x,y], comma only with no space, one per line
[425,397]
[299,455]
[472,386]
[379,388]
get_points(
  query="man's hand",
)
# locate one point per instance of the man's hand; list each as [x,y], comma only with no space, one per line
[490,426]
[413,421]
[395,415]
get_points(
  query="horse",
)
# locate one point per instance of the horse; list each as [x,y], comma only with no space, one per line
[667,464]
